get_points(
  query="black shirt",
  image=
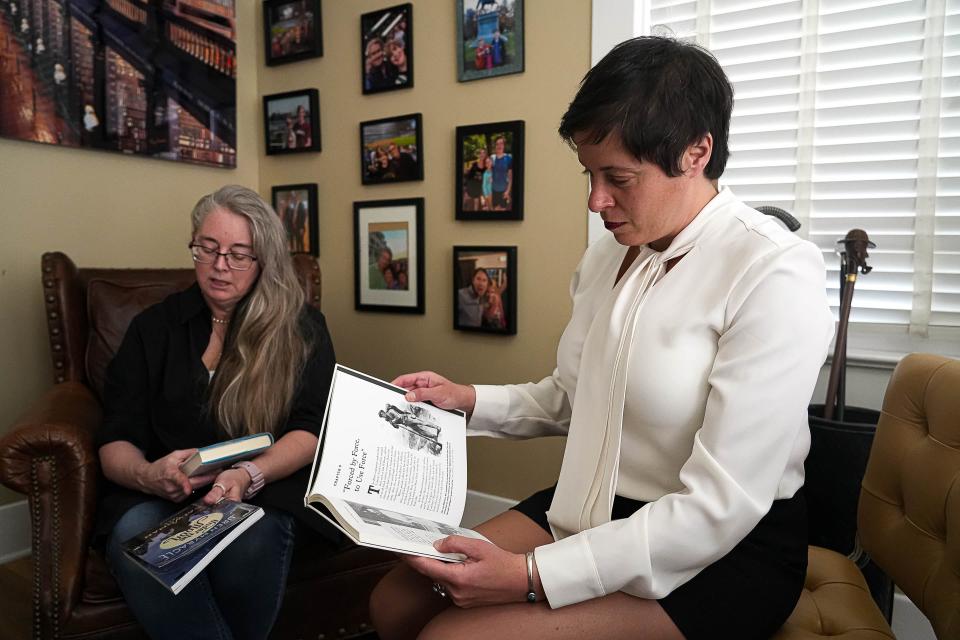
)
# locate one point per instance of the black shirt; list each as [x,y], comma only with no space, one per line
[155,397]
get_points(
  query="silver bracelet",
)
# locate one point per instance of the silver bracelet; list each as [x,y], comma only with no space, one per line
[531,593]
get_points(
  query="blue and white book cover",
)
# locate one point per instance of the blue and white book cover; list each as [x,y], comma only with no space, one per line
[177,549]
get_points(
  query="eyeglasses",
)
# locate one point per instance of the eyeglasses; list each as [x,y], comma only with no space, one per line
[207,255]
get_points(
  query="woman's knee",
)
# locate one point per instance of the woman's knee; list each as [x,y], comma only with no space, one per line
[270,537]
[380,599]
[136,520]
[142,516]
[263,553]
[400,604]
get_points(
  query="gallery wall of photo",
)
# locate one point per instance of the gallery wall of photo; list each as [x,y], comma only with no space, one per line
[391,235]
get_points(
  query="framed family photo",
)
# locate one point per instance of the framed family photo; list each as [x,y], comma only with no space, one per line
[391,149]
[386,54]
[485,289]
[291,121]
[292,30]
[388,255]
[489,38]
[296,206]
[489,169]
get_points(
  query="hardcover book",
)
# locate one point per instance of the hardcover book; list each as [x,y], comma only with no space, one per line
[176,550]
[219,455]
[390,474]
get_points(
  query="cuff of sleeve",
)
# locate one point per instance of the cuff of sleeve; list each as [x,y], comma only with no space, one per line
[490,411]
[568,572]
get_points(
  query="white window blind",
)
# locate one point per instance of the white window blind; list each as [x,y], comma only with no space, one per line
[847,114]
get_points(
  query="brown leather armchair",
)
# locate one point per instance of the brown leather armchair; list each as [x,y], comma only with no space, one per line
[908,516]
[48,454]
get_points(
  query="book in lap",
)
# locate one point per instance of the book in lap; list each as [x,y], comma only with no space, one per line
[177,550]
[390,474]
[219,455]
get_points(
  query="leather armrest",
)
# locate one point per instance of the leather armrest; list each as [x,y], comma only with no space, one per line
[48,454]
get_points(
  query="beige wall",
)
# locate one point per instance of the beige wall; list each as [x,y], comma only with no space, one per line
[549,240]
[101,209]
[109,210]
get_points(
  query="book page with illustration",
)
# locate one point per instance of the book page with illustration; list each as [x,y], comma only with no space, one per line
[391,472]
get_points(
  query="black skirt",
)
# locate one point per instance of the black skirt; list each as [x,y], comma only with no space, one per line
[748,593]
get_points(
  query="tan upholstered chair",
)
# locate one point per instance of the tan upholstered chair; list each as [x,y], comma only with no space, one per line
[48,455]
[908,517]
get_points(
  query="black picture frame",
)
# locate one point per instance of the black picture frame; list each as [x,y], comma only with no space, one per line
[280,120]
[390,66]
[479,197]
[284,24]
[391,149]
[396,225]
[497,31]
[494,310]
[299,216]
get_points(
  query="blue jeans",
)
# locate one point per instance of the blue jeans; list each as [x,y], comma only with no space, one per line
[237,596]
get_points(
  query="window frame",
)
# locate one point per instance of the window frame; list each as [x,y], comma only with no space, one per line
[868,344]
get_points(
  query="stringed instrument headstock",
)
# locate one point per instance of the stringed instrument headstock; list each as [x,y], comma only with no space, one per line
[855,246]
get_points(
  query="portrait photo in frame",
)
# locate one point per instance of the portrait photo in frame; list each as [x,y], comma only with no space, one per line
[489,169]
[291,122]
[296,206]
[388,255]
[485,289]
[386,49]
[391,149]
[489,38]
[292,30]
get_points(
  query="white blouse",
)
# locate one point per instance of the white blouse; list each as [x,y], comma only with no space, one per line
[687,390]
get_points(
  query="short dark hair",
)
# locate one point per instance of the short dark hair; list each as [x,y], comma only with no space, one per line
[660,95]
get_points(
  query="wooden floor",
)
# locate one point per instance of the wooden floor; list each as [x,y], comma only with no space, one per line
[15,606]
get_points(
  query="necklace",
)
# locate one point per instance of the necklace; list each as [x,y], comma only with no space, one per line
[217,320]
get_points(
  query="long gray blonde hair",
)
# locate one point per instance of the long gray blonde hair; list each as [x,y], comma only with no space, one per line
[264,350]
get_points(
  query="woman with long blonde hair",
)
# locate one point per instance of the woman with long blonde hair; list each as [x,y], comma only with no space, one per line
[237,353]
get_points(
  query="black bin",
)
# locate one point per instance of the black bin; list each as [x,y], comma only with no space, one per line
[834,470]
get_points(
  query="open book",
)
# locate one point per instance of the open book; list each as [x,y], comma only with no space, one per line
[390,474]
[176,550]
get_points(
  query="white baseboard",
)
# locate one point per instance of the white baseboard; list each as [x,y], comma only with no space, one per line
[14,531]
[909,623]
[481,507]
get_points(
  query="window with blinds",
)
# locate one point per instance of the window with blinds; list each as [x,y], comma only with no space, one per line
[847,114]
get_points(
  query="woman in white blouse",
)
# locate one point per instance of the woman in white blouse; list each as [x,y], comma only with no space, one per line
[698,329]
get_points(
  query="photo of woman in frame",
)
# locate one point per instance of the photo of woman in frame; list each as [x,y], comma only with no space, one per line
[490,171]
[485,289]
[389,255]
[296,206]
[386,53]
[291,122]
[391,149]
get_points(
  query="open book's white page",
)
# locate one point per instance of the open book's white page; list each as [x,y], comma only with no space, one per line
[387,527]
[382,451]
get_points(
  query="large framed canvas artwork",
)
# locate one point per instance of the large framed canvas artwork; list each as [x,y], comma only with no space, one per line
[153,78]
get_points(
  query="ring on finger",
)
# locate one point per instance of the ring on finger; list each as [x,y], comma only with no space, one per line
[222,488]
[439,589]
